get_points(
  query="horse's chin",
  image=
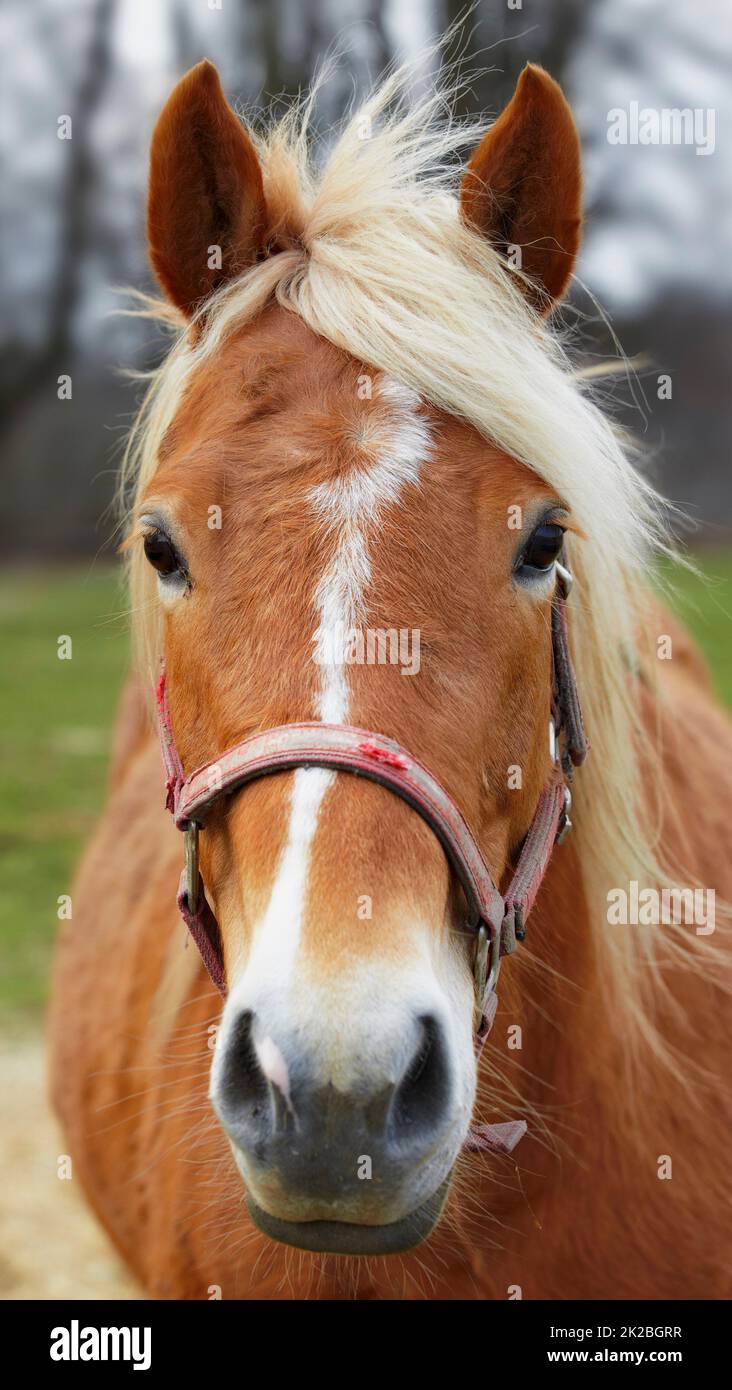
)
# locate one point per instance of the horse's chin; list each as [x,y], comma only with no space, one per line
[351,1237]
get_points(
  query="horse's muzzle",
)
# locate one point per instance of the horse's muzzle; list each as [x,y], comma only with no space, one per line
[361,1171]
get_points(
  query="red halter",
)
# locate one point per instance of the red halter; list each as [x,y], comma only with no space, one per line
[497,920]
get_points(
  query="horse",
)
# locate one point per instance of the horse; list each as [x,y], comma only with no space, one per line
[369,425]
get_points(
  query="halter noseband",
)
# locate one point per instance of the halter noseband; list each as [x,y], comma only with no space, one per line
[497,920]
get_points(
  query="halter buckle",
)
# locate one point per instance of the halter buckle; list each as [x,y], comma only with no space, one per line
[190,849]
[486,965]
[564,824]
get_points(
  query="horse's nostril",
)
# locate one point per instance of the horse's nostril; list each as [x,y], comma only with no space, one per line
[245,1095]
[422,1095]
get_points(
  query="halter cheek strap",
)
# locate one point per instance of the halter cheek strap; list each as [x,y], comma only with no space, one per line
[498,921]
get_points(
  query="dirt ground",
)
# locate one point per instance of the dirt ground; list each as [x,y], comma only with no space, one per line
[50,1244]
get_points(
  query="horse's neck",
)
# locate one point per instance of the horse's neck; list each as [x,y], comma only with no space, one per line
[551,1035]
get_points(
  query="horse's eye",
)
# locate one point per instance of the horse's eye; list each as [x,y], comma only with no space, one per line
[543,548]
[162,554]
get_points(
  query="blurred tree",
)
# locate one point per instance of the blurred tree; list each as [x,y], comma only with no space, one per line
[22,373]
[496,41]
[186,48]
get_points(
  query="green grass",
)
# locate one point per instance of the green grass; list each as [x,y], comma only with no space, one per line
[55,723]
[705,605]
[55,720]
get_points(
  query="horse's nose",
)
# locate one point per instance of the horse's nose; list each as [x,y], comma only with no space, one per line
[326,1153]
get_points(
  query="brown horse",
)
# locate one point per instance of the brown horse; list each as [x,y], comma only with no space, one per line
[367,427]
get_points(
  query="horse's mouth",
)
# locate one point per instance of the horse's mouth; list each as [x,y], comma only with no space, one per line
[352,1238]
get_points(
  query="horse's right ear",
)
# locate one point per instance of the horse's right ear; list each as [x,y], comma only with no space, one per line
[206,214]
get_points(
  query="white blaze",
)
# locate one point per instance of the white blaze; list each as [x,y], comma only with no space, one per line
[351,506]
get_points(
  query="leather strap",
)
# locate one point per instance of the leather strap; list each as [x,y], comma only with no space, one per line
[382,760]
[174,774]
[364,754]
[204,929]
[568,713]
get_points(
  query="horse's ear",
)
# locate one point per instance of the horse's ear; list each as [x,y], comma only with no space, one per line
[523,186]
[206,214]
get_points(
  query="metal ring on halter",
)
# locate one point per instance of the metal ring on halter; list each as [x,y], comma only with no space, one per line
[486,966]
[565,578]
[191,862]
[565,824]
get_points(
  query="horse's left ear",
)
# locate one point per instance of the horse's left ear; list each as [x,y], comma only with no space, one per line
[523,186]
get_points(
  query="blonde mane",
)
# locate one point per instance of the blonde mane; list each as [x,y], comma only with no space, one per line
[371,254]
